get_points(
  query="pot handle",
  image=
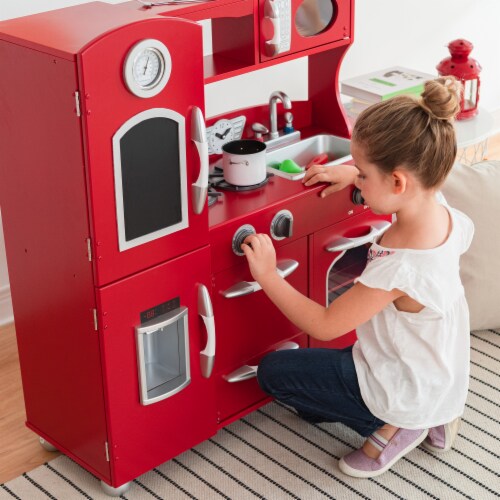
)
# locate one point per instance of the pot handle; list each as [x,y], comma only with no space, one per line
[243,162]
[283,268]
[199,137]
[207,355]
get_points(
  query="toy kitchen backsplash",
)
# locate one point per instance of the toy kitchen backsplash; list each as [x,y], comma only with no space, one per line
[123,237]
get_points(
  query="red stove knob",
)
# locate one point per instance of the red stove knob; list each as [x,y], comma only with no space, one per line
[239,237]
[282,225]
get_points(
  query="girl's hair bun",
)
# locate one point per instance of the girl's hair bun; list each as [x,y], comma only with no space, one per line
[441,97]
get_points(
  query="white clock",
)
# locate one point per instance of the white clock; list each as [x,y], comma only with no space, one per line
[147,68]
[224,131]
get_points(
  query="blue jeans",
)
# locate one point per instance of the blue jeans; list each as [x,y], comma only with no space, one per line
[321,384]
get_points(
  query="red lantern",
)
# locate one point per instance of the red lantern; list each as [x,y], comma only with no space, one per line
[466,70]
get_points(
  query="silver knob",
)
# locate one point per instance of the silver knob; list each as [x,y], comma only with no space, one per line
[259,130]
[356,197]
[282,225]
[288,129]
[239,237]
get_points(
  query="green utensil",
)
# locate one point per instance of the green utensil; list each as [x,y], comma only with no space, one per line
[290,167]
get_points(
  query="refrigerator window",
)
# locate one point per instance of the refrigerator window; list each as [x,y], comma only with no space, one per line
[150,177]
[163,356]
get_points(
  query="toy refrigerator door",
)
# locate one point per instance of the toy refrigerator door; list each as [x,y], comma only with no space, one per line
[159,398]
[144,167]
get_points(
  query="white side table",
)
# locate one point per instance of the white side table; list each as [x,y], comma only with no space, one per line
[472,137]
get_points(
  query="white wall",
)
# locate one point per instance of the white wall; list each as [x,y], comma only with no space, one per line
[387,33]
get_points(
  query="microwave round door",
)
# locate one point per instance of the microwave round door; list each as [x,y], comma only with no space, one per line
[314,16]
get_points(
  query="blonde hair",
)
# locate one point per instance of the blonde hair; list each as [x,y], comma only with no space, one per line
[415,133]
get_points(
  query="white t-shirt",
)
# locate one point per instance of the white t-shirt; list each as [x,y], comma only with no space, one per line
[413,368]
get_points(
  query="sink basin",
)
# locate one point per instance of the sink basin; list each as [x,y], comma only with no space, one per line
[302,152]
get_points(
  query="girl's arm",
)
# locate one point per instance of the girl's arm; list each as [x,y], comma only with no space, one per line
[339,177]
[351,309]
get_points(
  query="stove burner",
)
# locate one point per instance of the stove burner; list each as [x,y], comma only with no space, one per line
[213,196]
[231,187]
[217,181]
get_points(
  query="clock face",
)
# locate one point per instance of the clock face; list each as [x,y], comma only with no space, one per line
[147,68]
[224,131]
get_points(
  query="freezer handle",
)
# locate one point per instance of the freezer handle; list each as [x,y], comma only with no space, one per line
[199,137]
[341,244]
[205,310]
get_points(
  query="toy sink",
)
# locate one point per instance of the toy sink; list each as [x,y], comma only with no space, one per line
[302,152]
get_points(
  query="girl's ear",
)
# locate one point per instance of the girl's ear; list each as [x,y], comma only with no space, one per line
[399,180]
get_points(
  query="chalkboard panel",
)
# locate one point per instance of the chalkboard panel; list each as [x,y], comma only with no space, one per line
[151,177]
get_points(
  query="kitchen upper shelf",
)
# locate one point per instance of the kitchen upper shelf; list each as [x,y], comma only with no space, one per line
[219,67]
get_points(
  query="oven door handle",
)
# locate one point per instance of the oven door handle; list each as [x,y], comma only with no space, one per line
[284,268]
[342,244]
[199,137]
[246,372]
[205,310]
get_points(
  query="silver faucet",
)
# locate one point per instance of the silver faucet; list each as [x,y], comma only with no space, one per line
[273,114]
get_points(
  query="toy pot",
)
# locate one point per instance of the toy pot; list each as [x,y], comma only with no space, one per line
[244,162]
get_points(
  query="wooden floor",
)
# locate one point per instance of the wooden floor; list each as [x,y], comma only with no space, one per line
[20,450]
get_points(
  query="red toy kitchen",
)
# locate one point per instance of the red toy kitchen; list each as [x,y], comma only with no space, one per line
[138,324]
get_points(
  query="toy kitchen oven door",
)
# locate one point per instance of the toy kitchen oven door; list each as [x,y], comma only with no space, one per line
[143,98]
[290,26]
[142,106]
[339,256]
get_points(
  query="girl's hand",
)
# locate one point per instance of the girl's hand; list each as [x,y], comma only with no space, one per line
[339,177]
[261,256]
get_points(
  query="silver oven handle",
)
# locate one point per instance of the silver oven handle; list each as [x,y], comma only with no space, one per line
[341,244]
[207,355]
[246,372]
[167,319]
[199,137]
[284,268]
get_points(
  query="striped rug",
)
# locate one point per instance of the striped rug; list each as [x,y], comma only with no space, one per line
[272,454]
